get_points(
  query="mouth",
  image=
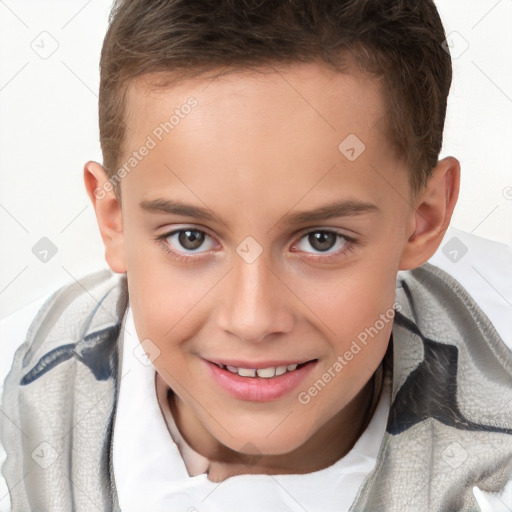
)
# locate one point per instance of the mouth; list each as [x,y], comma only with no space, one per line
[259,382]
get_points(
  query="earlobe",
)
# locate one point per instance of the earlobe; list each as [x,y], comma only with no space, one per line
[433,212]
[108,214]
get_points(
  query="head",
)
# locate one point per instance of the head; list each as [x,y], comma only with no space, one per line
[268,167]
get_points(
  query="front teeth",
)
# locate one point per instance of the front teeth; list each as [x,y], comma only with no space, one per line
[265,373]
[245,372]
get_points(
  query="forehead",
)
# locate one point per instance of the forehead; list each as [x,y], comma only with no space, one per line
[278,131]
[295,89]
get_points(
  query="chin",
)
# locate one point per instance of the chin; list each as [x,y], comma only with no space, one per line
[263,444]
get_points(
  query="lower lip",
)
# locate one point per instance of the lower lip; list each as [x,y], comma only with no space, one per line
[259,389]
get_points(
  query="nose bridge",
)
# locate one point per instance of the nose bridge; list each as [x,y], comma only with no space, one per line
[254,304]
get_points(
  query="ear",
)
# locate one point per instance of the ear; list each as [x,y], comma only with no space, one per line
[108,214]
[432,214]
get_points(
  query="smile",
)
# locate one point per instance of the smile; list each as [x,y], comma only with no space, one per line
[271,381]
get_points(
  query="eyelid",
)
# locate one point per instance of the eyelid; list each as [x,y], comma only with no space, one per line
[337,231]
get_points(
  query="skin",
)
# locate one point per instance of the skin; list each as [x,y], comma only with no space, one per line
[256,147]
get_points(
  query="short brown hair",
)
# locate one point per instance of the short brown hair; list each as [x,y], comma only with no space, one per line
[399,41]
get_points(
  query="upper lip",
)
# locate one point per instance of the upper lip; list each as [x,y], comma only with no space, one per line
[256,365]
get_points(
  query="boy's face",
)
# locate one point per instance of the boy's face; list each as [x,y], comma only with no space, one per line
[264,287]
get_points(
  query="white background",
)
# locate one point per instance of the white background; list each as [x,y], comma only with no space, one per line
[49,129]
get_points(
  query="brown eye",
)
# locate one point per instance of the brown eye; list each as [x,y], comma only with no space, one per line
[186,240]
[323,241]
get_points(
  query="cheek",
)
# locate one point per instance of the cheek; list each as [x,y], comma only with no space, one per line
[169,304]
[356,313]
[162,303]
[347,301]
[159,293]
[155,297]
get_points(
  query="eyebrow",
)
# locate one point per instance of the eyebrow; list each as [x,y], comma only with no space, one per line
[343,208]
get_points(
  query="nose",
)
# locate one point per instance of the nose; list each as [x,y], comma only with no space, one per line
[254,304]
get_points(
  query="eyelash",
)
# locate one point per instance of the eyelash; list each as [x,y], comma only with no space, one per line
[349,247]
